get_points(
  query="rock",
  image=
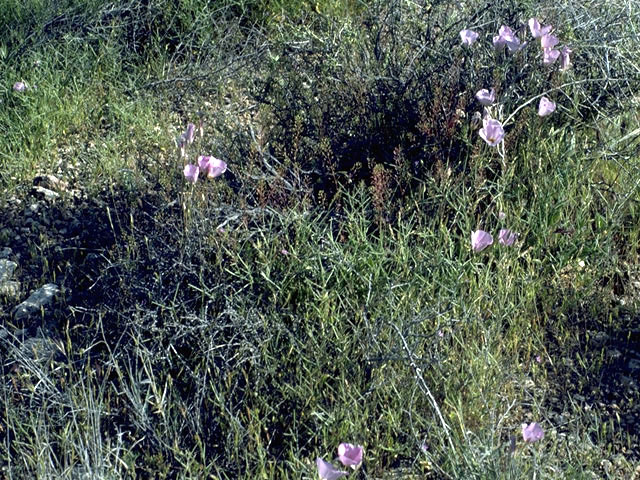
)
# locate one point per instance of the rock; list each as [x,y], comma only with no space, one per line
[614,354]
[10,290]
[39,348]
[50,182]
[45,193]
[39,299]
[600,338]
[634,365]
[7,267]
[5,252]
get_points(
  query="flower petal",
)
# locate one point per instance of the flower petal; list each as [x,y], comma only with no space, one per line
[468,37]
[350,455]
[480,240]
[326,471]
[507,237]
[532,432]
[546,107]
[191,172]
[492,132]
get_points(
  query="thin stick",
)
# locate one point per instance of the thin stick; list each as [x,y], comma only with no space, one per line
[423,385]
[586,80]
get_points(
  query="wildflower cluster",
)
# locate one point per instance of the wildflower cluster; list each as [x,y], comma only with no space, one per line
[349,455]
[481,239]
[212,166]
[492,131]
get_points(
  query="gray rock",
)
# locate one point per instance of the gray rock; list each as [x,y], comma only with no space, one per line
[39,299]
[7,267]
[45,193]
[50,182]
[5,252]
[600,338]
[634,365]
[39,348]
[10,290]
[614,354]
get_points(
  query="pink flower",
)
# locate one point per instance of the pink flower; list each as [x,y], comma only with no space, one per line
[546,107]
[480,240]
[506,37]
[548,40]
[550,55]
[506,237]
[350,455]
[19,86]
[538,359]
[536,30]
[565,62]
[326,471]
[532,432]
[468,37]
[502,215]
[492,132]
[213,166]
[191,172]
[486,97]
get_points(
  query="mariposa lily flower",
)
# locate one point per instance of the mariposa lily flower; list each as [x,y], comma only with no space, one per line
[486,97]
[350,455]
[492,132]
[532,432]
[550,55]
[506,237]
[326,471]
[191,173]
[546,107]
[506,37]
[19,86]
[480,240]
[548,40]
[213,166]
[536,30]
[468,37]
[565,62]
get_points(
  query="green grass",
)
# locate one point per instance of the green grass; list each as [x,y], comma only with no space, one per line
[243,326]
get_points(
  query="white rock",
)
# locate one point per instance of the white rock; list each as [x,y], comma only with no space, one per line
[38,300]
[7,267]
